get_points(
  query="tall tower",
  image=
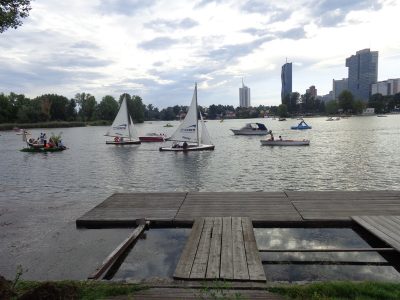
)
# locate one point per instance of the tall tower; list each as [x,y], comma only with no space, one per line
[244,96]
[286,78]
[363,71]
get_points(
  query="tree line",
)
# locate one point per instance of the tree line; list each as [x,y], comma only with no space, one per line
[294,104]
[16,108]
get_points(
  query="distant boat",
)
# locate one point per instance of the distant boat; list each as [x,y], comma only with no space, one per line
[251,129]
[301,126]
[122,127]
[168,125]
[282,119]
[152,137]
[333,119]
[285,142]
[22,131]
[381,116]
[187,136]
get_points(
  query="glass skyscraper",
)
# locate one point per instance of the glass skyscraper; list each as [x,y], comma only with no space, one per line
[244,96]
[363,72]
[286,78]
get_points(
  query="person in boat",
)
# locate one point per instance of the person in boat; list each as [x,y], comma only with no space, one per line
[280,138]
[61,145]
[272,135]
[184,145]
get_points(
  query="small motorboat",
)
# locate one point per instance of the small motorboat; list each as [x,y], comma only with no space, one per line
[333,119]
[285,142]
[152,137]
[282,119]
[23,131]
[302,125]
[251,129]
[168,125]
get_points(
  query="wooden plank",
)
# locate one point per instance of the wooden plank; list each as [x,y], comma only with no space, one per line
[376,229]
[184,267]
[113,256]
[214,258]
[330,250]
[256,270]
[201,259]
[226,271]
[191,293]
[240,269]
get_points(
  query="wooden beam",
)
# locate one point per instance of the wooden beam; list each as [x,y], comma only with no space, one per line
[184,267]
[330,250]
[113,256]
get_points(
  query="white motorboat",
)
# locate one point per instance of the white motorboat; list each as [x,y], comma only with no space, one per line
[187,136]
[251,129]
[285,142]
[122,127]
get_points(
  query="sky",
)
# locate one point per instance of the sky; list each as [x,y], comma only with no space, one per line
[158,49]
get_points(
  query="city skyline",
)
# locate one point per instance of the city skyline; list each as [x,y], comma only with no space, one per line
[157,50]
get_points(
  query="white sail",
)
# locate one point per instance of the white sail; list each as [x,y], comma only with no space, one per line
[121,127]
[187,130]
[205,137]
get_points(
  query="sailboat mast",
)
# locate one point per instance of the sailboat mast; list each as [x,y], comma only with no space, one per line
[128,119]
[197,117]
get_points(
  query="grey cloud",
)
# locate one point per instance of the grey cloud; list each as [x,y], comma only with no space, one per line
[84,45]
[293,34]
[256,6]
[165,25]
[205,2]
[331,13]
[232,52]
[124,7]
[158,43]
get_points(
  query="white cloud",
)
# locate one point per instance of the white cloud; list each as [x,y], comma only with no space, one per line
[158,49]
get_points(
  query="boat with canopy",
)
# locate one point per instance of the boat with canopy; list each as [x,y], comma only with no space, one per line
[187,136]
[122,127]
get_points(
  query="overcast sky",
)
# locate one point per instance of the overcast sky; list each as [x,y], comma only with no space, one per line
[158,49]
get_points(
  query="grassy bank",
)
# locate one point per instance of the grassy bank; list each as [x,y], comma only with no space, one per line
[86,290]
[340,290]
[60,124]
[90,290]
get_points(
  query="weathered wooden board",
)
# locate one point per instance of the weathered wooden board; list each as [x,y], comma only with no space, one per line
[221,250]
[387,228]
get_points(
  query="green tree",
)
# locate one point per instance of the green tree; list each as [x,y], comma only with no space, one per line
[282,111]
[137,109]
[12,12]
[358,106]
[377,101]
[71,110]
[346,101]
[87,105]
[331,107]
[6,109]
[107,108]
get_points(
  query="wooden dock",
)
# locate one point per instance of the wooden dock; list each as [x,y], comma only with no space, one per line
[221,248]
[286,206]
[386,228]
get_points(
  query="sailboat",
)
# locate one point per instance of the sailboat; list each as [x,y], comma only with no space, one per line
[186,136]
[122,127]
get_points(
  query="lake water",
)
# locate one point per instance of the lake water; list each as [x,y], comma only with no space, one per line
[41,195]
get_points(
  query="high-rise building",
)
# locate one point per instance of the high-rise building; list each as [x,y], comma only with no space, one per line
[386,88]
[244,96]
[363,71]
[286,78]
[312,91]
[339,86]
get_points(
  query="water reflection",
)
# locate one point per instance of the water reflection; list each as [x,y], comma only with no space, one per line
[155,256]
[287,266]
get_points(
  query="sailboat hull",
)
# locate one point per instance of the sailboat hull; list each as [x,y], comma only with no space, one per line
[190,148]
[123,143]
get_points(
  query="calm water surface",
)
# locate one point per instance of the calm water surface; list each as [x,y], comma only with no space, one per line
[41,195]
